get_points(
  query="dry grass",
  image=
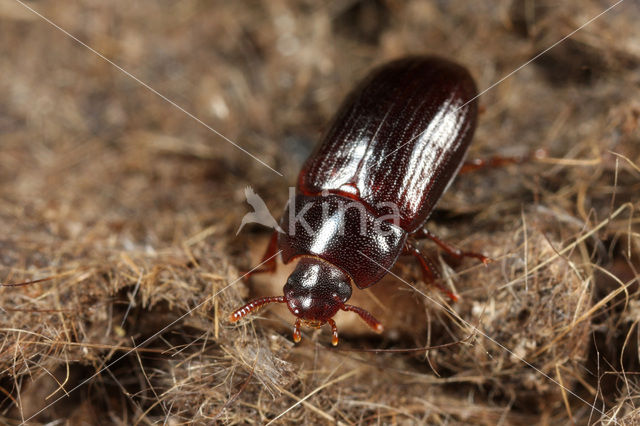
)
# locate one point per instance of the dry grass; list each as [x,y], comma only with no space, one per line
[131,207]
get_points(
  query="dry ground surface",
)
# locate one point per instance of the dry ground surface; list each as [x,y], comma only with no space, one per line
[130,207]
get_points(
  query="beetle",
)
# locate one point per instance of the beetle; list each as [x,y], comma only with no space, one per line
[396,144]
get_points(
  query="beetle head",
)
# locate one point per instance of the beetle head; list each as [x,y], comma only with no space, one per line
[315,291]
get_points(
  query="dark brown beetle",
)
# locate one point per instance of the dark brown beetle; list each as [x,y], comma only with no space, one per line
[395,145]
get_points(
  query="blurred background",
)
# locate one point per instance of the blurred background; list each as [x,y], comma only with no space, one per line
[130,205]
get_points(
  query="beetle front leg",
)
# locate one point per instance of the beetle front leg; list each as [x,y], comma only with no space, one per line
[269,258]
[334,332]
[429,273]
[297,336]
[449,249]
[366,317]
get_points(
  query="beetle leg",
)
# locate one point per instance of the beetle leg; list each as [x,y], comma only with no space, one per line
[500,161]
[253,306]
[449,249]
[429,273]
[334,329]
[366,316]
[296,331]
[270,264]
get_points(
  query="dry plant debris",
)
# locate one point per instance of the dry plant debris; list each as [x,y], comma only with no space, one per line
[131,208]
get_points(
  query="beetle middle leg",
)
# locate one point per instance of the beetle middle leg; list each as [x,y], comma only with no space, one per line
[448,248]
[269,258]
[429,272]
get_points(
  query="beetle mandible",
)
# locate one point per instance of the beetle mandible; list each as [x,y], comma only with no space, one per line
[396,143]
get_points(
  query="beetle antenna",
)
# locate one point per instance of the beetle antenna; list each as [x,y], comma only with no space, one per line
[366,316]
[253,306]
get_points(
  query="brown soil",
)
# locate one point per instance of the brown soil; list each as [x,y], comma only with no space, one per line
[130,207]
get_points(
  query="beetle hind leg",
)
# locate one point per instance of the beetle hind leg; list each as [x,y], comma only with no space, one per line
[501,161]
